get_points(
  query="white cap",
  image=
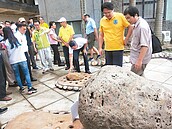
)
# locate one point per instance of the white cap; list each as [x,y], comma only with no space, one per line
[21,19]
[62,19]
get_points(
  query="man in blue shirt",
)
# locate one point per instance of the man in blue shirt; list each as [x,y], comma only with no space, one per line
[92,35]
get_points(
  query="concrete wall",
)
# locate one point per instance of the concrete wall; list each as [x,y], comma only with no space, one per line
[93,7]
[54,9]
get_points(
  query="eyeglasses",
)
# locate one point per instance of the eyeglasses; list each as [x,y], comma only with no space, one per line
[36,24]
[108,12]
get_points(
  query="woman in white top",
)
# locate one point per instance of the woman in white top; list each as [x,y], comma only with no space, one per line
[53,38]
[17,58]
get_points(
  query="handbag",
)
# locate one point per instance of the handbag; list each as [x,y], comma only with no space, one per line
[156,44]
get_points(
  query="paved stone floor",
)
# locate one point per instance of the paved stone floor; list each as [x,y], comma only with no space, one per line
[51,99]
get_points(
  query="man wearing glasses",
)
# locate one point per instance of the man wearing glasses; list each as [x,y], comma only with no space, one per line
[41,42]
[112,27]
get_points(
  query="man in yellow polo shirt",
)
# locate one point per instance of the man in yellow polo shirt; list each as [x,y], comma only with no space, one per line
[112,27]
[41,42]
[66,33]
[43,23]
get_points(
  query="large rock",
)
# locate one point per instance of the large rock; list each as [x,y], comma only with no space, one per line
[74,76]
[118,99]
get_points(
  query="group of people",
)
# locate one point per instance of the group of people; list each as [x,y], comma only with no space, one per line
[111,33]
[38,37]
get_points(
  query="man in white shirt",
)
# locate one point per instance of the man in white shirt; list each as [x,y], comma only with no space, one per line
[75,47]
[21,37]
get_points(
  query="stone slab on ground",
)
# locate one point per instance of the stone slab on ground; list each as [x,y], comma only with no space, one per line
[41,120]
[67,84]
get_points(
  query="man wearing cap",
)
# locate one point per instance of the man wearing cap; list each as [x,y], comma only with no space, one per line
[75,47]
[28,45]
[92,35]
[66,33]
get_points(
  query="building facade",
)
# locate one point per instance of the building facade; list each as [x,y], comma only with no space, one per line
[13,9]
[72,10]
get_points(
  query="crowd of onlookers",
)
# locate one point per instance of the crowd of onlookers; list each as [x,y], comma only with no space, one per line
[20,42]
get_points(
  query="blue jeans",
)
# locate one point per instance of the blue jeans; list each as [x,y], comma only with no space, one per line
[114,57]
[24,68]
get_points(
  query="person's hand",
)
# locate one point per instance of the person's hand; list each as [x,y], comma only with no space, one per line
[66,44]
[96,39]
[138,65]
[85,52]
[100,51]
[58,40]
[41,34]
[36,51]
[70,69]
[125,41]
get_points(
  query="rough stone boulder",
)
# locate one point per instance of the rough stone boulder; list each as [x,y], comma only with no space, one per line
[40,120]
[118,99]
[74,76]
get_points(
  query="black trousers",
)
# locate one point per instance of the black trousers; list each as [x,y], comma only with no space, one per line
[114,57]
[2,78]
[56,53]
[76,59]
[66,55]
[31,53]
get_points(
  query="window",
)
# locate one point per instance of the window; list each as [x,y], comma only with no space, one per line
[147,8]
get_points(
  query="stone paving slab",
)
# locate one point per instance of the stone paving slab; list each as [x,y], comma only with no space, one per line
[15,110]
[61,105]
[44,99]
[157,76]
[50,98]
[169,81]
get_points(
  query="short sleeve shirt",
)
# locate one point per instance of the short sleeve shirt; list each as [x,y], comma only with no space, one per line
[113,31]
[141,37]
[41,40]
[52,32]
[66,33]
[90,26]
[44,25]
[80,43]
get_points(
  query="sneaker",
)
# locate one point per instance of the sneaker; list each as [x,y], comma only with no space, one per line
[98,56]
[51,69]
[21,90]
[36,67]
[32,90]
[45,70]
[88,72]
[67,68]
[90,59]
[33,79]
[61,64]
[3,110]
[55,63]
